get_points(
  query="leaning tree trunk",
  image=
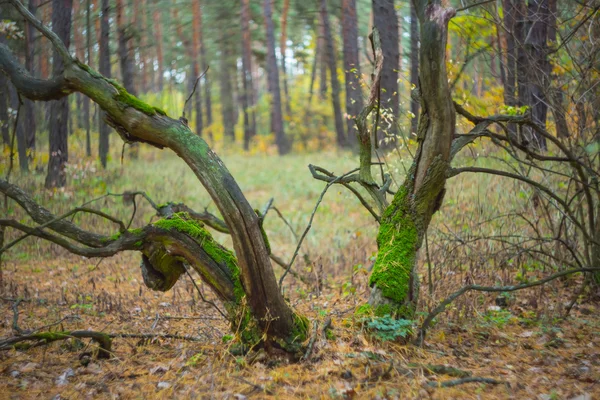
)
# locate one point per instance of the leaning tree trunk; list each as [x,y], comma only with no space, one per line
[404,223]
[245,282]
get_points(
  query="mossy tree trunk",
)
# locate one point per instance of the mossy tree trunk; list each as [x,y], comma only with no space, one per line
[405,221]
[249,283]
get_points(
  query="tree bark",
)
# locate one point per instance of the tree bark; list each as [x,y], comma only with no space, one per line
[104,68]
[86,100]
[59,109]
[283,144]
[414,66]
[28,106]
[195,53]
[147,73]
[4,111]
[354,100]
[207,94]
[247,82]
[386,20]
[282,48]
[404,223]
[20,132]
[227,102]
[158,38]
[335,84]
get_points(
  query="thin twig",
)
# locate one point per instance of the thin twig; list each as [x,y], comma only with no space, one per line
[193,90]
[470,379]
[202,296]
[312,216]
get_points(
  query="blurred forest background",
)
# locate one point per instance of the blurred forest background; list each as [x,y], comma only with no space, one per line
[276,85]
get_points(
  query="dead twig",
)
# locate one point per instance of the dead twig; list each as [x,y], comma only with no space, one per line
[471,379]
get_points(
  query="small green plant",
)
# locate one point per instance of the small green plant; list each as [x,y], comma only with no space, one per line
[387,328]
[498,318]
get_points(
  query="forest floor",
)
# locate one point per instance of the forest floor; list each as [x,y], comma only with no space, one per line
[529,345]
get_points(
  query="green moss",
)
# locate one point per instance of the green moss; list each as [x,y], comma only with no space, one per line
[123,95]
[300,331]
[397,241]
[182,223]
[364,310]
[384,309]
[117,235]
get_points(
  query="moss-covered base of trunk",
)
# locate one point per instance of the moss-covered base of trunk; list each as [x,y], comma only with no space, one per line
[392,278]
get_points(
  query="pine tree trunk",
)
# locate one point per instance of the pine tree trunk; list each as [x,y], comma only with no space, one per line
[59,109]
[281,140]
[207,95]
[335,84]
[29,116]
[147,72]
[282,48]
[414,66]
[354,101]
[20,133]
[4,130]
[158,39]
[86,100]
[227,111]
[195,54]
[404,223]
[247,82]
[104,68]
[386,20]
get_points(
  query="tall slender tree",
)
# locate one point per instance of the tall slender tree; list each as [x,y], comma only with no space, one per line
[247,81]
[386,20]
[227,98]
[86,100]
[354,101]
[104,68]
[283,49]
[196,34]
[59,109]
[414,65]
[28,105]
[207,91]
[283,144]
[158,41]
[335,84]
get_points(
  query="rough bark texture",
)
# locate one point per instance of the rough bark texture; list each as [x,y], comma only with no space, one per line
[510,80]
[405,222]
[104,68]
[354,101]
[59,109]
[137,121]
[386,20]
[283,144]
